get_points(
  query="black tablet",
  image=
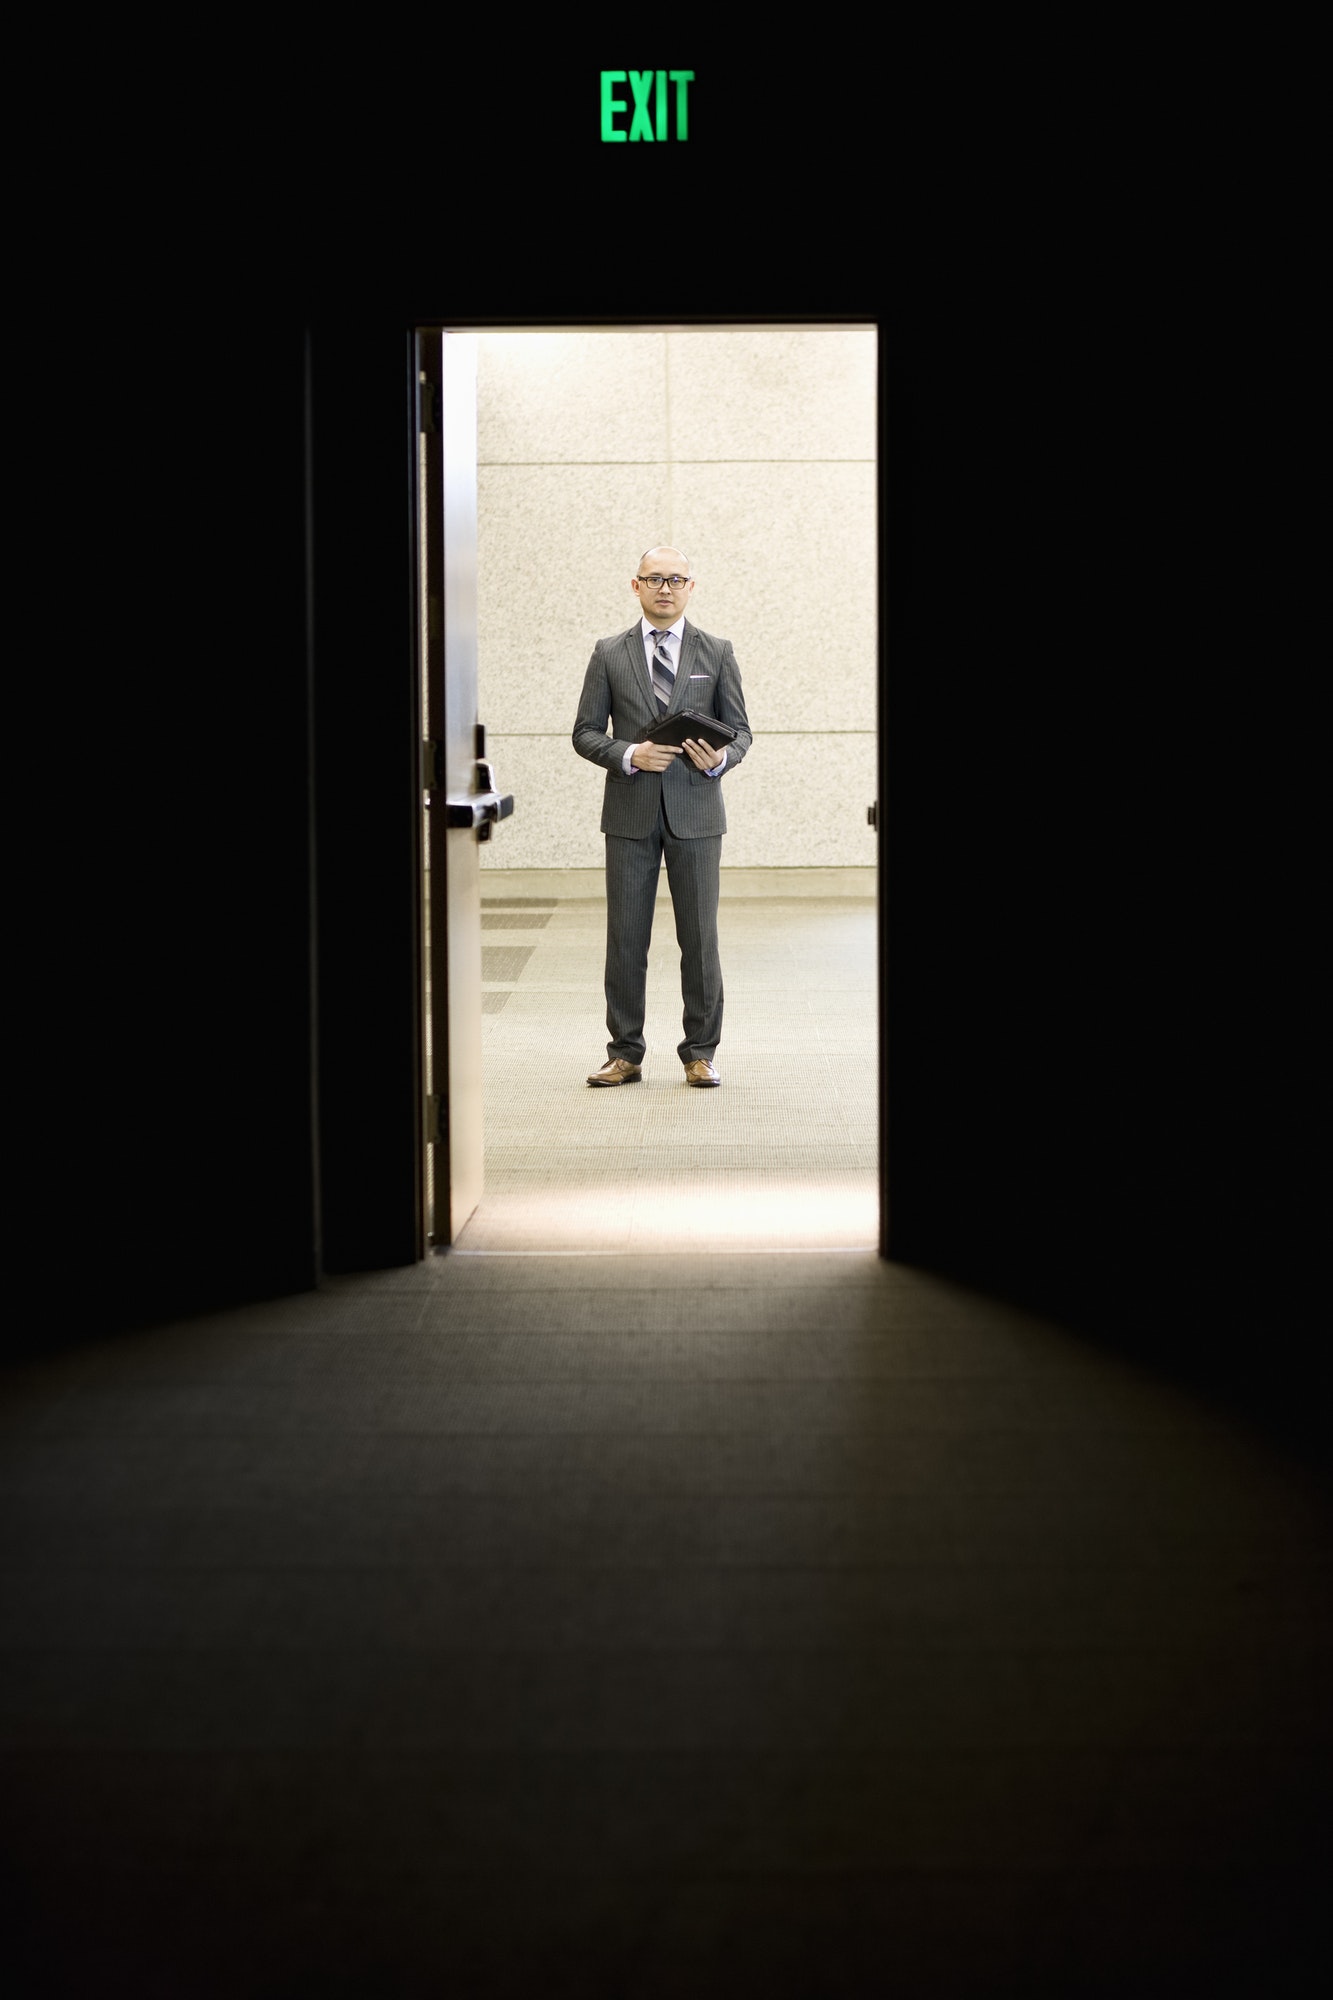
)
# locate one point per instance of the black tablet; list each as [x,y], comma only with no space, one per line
[689,722]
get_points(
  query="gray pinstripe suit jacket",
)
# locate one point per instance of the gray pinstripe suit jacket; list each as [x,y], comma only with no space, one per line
[617,693]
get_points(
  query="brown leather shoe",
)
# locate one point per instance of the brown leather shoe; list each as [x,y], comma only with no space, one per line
[616,1071]
[702,1074]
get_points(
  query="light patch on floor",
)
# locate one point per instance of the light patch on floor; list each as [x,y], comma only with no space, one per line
[782,1157]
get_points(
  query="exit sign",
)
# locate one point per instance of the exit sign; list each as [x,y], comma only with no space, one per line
[651,91]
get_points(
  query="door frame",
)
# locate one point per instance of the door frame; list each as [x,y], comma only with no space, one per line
[434,1121]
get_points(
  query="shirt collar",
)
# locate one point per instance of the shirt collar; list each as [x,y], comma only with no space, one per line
[654,632]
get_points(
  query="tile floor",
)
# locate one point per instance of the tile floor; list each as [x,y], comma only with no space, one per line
[557,1623]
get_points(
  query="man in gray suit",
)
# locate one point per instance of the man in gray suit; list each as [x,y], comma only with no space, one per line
[660,800]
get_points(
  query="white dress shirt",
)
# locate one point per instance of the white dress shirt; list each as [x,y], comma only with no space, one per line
[651,635]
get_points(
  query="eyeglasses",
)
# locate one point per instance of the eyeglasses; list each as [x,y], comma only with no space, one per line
[675,582]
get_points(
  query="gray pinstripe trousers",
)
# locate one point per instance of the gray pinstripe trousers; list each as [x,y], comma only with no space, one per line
[632,870]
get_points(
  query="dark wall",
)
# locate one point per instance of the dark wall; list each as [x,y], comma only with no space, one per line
[1101,1044]
[1073,1106]
[185,890]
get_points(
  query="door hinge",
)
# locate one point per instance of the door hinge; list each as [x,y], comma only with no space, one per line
[428,404]
[872,815]
[434,1121]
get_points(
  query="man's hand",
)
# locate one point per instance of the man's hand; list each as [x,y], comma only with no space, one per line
[654,756]
[702,755]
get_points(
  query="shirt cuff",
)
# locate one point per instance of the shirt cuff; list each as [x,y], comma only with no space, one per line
[631,770]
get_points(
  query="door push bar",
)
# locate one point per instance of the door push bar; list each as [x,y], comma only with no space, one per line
[484,807]
[481,811]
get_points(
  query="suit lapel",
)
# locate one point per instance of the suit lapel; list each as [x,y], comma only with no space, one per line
[636,666]
[680,693]
[637,670]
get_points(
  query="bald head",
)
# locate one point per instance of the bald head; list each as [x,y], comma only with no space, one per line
[665,557]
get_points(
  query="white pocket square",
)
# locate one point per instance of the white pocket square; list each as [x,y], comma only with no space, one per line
[701,677]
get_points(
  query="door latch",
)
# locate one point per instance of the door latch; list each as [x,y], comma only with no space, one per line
[483,808]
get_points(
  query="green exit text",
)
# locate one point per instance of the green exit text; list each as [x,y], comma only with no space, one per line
[648,87]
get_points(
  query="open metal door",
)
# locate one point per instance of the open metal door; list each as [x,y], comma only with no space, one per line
[460,799]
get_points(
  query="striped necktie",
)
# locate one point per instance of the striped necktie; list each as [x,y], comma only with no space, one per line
[664,674]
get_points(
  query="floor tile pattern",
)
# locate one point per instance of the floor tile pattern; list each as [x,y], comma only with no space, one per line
[647,1626]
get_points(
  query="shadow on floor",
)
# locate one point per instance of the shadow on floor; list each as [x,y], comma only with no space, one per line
[586,1625]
